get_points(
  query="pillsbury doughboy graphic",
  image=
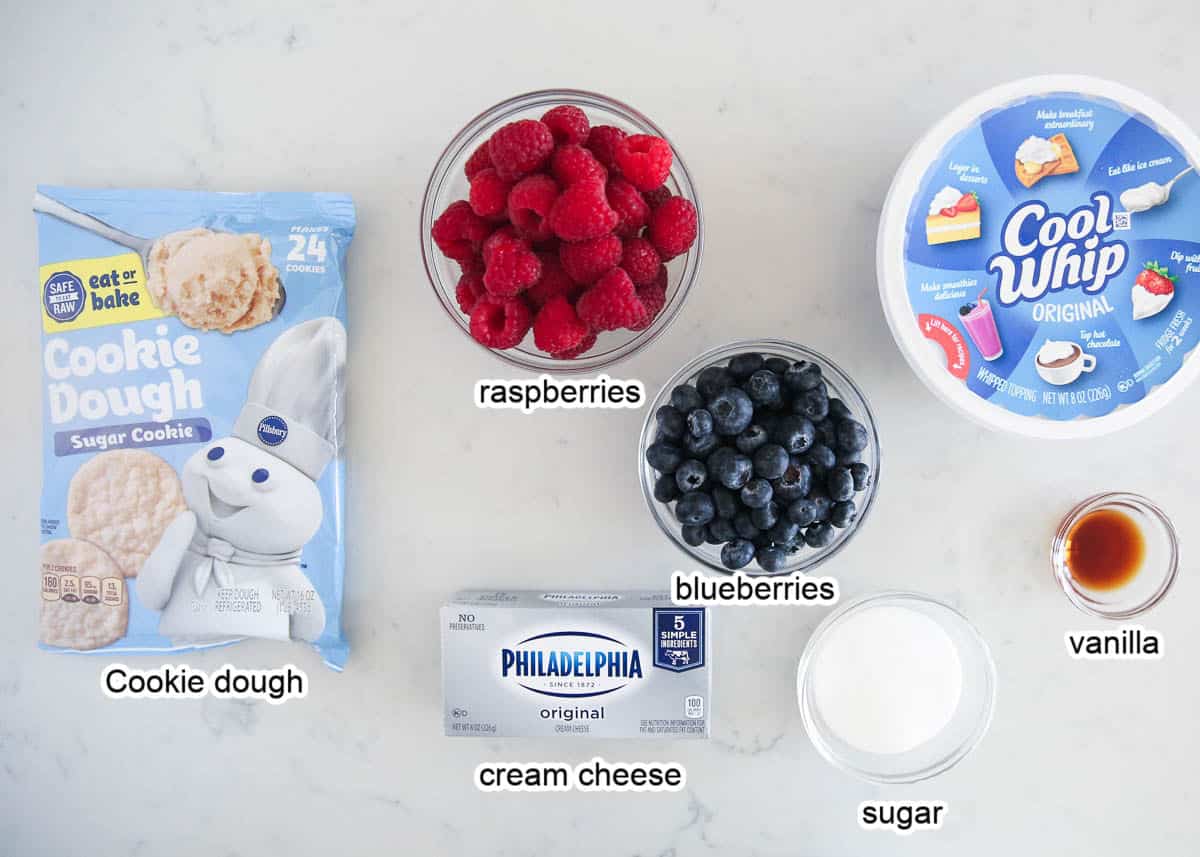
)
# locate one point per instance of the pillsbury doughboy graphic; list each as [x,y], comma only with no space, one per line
[229,566]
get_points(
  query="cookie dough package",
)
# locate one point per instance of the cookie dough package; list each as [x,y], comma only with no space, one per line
[193,355]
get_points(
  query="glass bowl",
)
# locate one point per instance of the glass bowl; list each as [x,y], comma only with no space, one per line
[1159,566]
[449,183]
[839,385]
[957,738]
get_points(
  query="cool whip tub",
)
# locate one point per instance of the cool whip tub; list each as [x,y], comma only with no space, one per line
[1039,257]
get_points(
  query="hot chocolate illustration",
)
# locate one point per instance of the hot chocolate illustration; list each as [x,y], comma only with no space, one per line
[1061,363]
[229,565]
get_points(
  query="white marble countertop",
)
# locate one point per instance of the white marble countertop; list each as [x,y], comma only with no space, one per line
[793,122]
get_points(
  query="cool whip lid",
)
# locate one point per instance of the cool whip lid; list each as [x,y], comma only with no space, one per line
[1075,220]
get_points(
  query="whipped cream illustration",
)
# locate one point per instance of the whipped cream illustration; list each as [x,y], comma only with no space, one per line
[1146,303]
[944,198]
[1054,350]
[1144,196]
[1037,150]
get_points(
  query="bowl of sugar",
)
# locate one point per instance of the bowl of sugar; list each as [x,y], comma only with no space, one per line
[896,687]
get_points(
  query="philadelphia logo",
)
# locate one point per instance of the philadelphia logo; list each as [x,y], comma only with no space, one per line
[571,664]
[1043,252]
[272,430]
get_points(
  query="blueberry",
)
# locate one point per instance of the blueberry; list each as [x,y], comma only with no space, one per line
[670,422]
[777,365]
[821,459]
[751,439]
[701,447]
[845,459]
[744,365]
[762,540]
[765,517]
[737,554]
[819,535]
[665,489]
[695,508]
[692,475]
[784,532]
[794,433]
[744,526]
[843,514]
[813,403]
[838,482]
[769,420]
[770,461]
[838,409]
[713,380]
[664,457]
[725,501]
[802,512]
[851,436]
[730,468]
[772,559]
[756,493]
[795,482]
[861,474]
[827,432]
[763,388]
[802,376]
[694,535]
[823,506]
[686,398]
[966,309]
[732,411]
[721,530]
[699,422]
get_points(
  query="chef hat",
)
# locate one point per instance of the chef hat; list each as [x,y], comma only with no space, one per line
[295,399]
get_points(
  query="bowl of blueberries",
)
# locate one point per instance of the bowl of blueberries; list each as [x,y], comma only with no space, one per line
[760,456]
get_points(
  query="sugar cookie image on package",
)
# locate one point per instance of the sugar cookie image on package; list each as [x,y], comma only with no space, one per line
[214,280]
[122,500]
[84,602]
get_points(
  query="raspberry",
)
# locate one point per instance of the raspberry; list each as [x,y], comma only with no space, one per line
[628,203]
[644,160]
[653,298]
[554,281]
[673,227]
[474,265]
[529,205]
[500,322]
[520,147]
[582,212]
[468,291]
[586,261]
[567,123]
[557,327]
[512,267]
[655,198]
[503,235]
[571,163]
[602,140]
[489,193]
[612,303]
[459,231]
[582,348]
[640,261]
[479,160]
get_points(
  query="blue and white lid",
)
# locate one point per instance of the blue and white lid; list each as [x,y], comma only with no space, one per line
[1039,257]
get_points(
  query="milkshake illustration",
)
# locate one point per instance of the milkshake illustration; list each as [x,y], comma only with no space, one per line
[981,325]
[229,566]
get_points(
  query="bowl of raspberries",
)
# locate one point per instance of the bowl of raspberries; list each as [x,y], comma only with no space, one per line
[760,456]
[561,230]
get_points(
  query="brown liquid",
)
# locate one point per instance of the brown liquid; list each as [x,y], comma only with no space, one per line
[1105,549]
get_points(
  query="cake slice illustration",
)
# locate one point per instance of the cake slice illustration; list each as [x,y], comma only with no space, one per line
[1038,157]
[953,216]
[1152,290]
